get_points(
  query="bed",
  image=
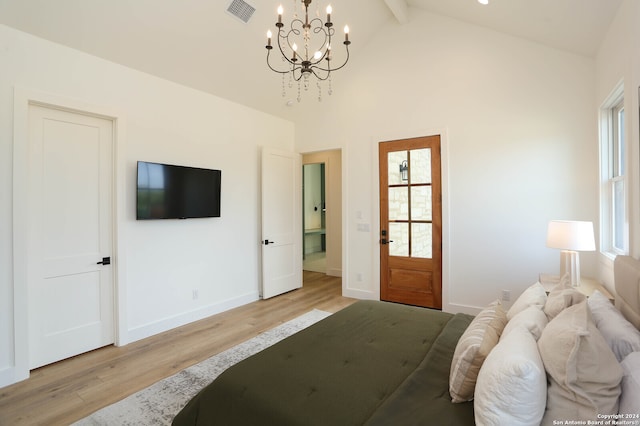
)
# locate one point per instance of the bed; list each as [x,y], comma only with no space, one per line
[379,363]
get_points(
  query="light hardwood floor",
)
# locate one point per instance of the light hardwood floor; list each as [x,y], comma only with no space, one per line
[61,393]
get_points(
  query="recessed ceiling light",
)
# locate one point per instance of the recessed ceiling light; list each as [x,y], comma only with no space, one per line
[483,1]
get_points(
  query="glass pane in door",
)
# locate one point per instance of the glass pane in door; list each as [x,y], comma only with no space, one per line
[421,203]
[399,203]
[396,160]
[420,165]
[421,240]
[399,234]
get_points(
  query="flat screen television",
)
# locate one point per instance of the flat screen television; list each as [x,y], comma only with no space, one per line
[166,191]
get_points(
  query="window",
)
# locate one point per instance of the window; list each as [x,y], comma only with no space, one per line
[617,178]
[614,180]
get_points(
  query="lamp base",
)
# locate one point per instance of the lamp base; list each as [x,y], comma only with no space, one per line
[570,266]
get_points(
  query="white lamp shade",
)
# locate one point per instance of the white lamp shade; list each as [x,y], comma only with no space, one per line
[571,235]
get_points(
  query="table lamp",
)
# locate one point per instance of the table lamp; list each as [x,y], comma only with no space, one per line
[570,236]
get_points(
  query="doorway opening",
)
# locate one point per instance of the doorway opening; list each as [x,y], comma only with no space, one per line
[314,218]
[322,212]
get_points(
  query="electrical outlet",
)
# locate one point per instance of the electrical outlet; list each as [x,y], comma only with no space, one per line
[506,295]
[195,294]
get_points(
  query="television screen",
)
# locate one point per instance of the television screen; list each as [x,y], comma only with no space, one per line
[177,192]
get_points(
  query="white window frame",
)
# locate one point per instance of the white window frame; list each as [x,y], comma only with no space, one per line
[612,174]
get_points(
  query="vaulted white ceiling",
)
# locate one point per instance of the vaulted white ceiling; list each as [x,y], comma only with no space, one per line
[198,44]
[574,25]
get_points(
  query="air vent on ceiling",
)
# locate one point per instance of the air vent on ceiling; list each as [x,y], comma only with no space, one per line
[241,10]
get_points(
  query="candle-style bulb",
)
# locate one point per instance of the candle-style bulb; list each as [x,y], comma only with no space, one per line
[346,33]
[329,10]
[280,11]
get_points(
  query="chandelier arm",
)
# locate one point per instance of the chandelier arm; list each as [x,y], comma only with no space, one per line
[272,68]
[319,25]
[326,42]
[313,70]
[325,54]
[335,69]
[292,29]
[293,73]
[282,52]
[327,32]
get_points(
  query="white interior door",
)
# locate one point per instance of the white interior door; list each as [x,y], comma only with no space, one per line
[281,222]
[70,231]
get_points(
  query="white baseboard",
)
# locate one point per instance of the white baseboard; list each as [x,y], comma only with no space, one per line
[334,272]
[166,324]
[9,376]
[465,309]
[360,294]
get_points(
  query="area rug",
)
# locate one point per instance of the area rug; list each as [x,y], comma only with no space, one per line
[160,402]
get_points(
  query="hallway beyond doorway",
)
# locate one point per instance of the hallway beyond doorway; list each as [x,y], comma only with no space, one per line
[322,223]
[315,262]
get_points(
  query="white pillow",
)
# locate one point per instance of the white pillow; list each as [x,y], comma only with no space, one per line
[471,350]
[621,336]
[583,373]
[512,385]
[532,319]
[561,297]
[532,296]
[630,398]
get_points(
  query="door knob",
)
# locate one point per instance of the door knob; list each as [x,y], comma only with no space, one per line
[105,261]
[384,241]
[267,242]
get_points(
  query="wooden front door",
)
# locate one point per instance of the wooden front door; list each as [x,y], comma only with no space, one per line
[411,222]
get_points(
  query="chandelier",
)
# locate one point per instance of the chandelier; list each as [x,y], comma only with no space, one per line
[305,50]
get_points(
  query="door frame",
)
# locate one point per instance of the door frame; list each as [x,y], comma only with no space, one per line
[375,186]
[23,98]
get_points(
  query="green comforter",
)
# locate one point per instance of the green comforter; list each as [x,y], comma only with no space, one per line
[373,363]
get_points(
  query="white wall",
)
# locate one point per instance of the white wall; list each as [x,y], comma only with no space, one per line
[520,148]
[618,60]
[160,262]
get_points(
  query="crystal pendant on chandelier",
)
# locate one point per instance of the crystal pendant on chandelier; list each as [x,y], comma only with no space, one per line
[305,49]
